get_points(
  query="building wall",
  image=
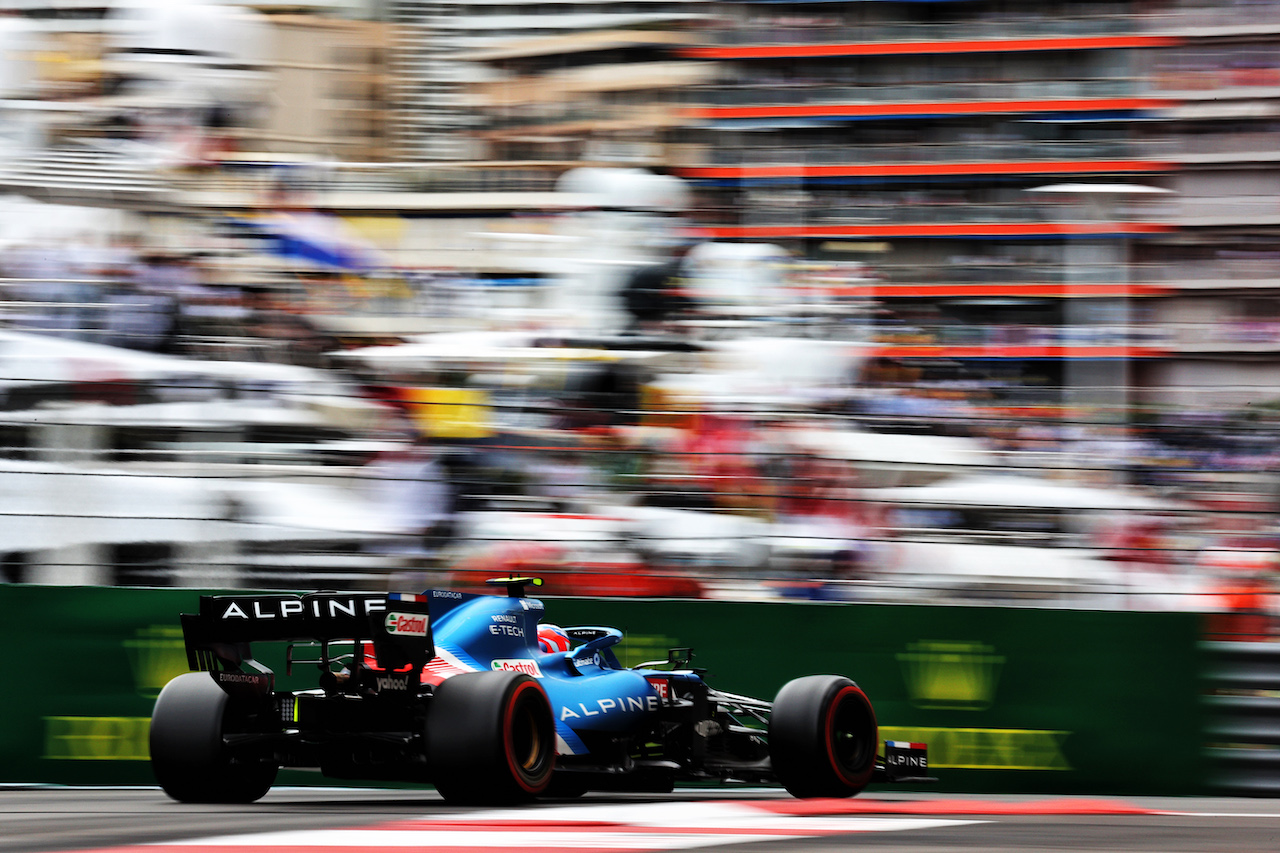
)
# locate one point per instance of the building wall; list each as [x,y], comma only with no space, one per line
[1211,383]
[329,96]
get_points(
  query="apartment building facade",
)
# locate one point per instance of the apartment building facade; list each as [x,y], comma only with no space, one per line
[1071,202]
[1221,266]
[436,41]
[982,157]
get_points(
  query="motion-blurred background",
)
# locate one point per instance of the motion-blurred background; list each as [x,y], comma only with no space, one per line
[967,301]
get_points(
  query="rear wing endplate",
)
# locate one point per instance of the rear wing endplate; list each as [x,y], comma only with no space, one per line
[218,637]
[903,762]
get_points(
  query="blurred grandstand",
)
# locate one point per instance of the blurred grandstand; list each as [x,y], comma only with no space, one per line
[235,356]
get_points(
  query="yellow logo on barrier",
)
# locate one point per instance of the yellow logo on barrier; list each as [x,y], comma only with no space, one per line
[451,412]
[951,675]
[157,655]
[986,749]
[97,738]
[636,649]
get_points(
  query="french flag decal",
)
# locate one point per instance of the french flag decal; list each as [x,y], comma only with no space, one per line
[405,596]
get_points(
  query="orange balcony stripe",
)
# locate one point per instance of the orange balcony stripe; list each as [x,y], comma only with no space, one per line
[931,108]
[925,169]
[1016,351]
[1054,289]
[948,229]
[783,51]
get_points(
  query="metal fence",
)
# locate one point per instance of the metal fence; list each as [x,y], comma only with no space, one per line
[1243,708]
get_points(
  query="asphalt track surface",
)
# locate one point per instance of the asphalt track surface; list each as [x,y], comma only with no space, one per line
[338,820]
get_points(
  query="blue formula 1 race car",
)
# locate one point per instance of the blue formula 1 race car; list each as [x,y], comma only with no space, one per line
[472,694]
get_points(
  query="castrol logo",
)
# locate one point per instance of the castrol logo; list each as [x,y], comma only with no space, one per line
[528,667]
[406,624]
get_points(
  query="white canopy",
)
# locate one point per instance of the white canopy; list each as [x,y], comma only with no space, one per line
[29,358]
[426,352]
[1008,491]
[46,506]
[1105,189]
[854,445]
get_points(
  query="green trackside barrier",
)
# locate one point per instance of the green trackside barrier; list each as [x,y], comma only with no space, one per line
[84,666]
[1009,699]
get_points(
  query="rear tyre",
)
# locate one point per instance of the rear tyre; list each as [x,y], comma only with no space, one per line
[491,738]
[822,737]
[188,756]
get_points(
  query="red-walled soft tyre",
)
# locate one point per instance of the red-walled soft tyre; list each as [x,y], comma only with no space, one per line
[823,737]
[188,756]
[491,738]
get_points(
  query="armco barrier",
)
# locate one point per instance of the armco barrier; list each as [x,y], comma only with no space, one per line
[1009,699]
[1243,703]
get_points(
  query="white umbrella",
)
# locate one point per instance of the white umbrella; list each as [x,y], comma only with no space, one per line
[1105,189]
[1022,492]
[892,448]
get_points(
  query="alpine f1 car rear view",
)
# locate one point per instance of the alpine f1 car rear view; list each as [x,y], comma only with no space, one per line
[479,697]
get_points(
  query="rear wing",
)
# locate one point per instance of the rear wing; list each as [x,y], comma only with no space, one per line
[218,638]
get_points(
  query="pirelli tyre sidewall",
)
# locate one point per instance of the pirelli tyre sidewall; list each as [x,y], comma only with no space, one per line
[490,738]
[823,737]
[188,756]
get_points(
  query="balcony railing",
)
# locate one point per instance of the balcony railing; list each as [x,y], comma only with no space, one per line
[370,177]
[978,272]
[1205,146]
[1010,335]
[889,211]
[1209,16]
[655,113]
[835,29]
[804,92]
[1204,83]
[975,151]
[884,279]
[1261,335]
[844,29]
[1222,272]
[1225,209]
[902,213]
[1220,336]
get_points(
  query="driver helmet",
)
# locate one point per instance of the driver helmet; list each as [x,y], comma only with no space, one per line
[552,638]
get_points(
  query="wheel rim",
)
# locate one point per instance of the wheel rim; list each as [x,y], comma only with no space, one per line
[528,745]
[850,721]
[527,741]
